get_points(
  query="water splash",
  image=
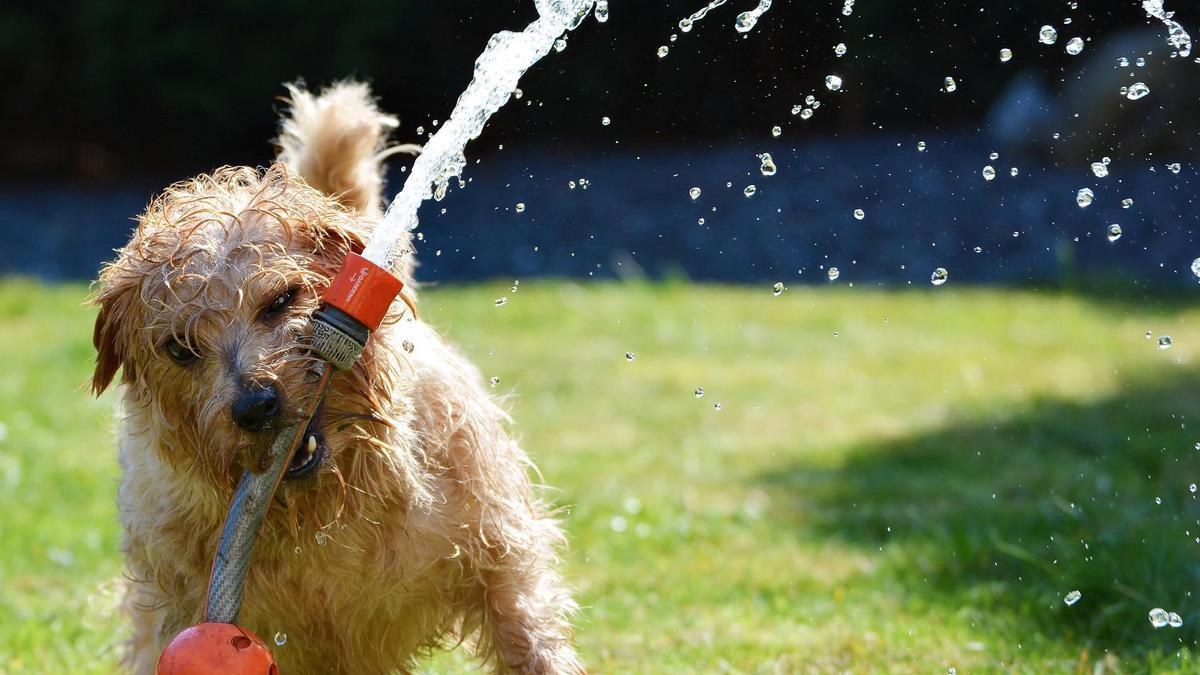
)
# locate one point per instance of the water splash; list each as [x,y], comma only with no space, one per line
[687,23]
[747,20]
[1177,37]
[497,70]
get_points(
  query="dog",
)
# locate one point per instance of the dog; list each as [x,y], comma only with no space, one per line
[408,521]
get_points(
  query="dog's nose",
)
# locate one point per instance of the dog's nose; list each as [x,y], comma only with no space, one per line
[256,407]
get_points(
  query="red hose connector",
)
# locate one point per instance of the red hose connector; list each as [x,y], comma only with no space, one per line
[363,290]
[212,648]
[354,305]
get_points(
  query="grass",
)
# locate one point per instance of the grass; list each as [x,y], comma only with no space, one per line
[896,481]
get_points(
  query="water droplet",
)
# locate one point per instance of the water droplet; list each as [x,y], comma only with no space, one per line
[280,639]
[298,550]
[663,51]
[694,193]
[768,165]
[1174,620]
[1100,169]
[560,44]
[833,273]
[494,381]
[602,10]
[993,155]
[920,146]
[1013,172]
[1114,232]
[1174,167]
[1158,617]
[776,131]
[500,302]
[1165,342]
[1084,197]
[949,85]
[1072,598]
[978,249]
[517,93]
[750,190]
[1192,488]
[520,208]
[988,172]
[1140,62]
[939,276]
[777,289]
[699,392]
[806,113]
[1136,90]
[1074,46]
[630,356]
[1126,203]
[1047,35]
[605,121]
[1005,55]
[717,406]
[840,49]
[1123,62]
[407,345]
[859,214]
[321,538]
[833,82]
[1158,500]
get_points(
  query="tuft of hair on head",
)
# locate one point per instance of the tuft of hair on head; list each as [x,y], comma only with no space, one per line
[337,141]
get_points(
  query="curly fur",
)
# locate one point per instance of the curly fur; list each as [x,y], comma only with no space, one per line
[422,530]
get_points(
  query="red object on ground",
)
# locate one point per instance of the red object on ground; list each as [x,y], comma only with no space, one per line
[363,290]
[216,648]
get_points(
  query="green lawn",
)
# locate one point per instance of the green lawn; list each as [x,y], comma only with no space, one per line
[895,481]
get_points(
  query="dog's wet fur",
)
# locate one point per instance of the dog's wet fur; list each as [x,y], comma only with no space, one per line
[414,526]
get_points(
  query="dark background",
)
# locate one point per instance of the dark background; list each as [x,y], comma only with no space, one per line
[107,102]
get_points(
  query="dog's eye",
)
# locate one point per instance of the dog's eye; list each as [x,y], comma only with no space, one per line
[279,304]
[180,353]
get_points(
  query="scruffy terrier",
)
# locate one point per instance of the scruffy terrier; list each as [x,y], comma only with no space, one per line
[407,521]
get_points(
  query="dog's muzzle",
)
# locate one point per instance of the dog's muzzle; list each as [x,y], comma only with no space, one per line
[313,450]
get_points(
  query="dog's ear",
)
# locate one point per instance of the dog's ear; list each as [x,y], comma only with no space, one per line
[116,302]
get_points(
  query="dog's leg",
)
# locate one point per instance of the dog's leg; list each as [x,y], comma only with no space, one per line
[526,616]
[153,626]
[142,649]
[526,605]
[158,609]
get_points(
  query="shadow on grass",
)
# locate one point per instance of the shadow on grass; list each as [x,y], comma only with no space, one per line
[1005,516]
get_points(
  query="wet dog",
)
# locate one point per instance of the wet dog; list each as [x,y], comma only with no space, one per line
[407,521]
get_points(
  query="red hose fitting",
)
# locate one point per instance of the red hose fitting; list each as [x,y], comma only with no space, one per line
[363,290]
[212,648]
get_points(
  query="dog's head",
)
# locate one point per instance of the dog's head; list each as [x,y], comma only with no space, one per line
[205,311]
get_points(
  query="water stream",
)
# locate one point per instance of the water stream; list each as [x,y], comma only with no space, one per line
[497,70]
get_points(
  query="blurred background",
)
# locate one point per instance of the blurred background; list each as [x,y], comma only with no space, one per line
[764,466]
[104,106]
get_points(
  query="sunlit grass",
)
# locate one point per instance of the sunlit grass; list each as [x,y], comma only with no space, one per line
[896,481]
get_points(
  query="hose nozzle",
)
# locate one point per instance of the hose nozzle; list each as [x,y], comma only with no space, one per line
[354,305]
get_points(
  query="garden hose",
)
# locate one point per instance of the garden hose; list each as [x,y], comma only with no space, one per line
[354,305]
